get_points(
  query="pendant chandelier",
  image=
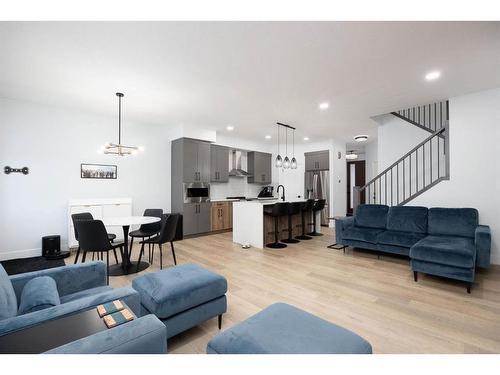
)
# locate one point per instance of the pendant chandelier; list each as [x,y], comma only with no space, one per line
[285,162]
[118,148]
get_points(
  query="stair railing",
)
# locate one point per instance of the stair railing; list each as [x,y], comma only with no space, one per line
[411,175]
[430,117]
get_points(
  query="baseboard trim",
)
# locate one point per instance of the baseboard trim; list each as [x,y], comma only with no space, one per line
[27,253]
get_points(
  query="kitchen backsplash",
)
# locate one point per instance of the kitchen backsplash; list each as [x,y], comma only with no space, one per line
[237,186]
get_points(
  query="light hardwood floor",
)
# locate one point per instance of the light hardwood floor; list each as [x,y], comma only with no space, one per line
[376,298]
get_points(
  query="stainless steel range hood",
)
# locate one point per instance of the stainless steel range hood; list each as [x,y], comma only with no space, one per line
[236,162]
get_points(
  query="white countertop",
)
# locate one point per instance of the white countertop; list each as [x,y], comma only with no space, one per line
[271,201]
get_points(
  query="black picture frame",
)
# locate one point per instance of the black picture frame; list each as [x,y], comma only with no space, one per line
[98,171]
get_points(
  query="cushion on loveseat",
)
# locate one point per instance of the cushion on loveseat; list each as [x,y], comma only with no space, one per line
[371,216]
[453,221]
[362,234]
[447,250]
[39,293]
[176,289]
[396,238]
[8,299]
[285,329]
[407,219]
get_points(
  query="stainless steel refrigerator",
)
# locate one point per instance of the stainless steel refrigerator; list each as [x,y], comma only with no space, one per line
[317,186]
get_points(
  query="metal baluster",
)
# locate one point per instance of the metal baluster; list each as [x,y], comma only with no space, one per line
[392,189]
[439,159]
[404,180]
[397,183]
[385,181]
[423,162]
[410,172]
[416,167]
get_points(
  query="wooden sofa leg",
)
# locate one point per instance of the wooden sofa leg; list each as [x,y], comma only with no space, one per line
[468,287]
[415,276]
[220,321]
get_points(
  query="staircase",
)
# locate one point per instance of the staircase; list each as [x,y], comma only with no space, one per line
[420,168]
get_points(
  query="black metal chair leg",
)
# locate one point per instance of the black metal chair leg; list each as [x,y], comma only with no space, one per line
[220,321]
[152,253]
[84,256]
[131,243]
[116,257]
[173,252]
[77,254]
[140,256]
[161,256]
[93,255]
[107,267]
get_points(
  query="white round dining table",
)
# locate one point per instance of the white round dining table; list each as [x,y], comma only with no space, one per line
[127,267]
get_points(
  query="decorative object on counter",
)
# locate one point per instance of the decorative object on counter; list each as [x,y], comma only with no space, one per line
[285,162]
[118,148]
[51,248]
[99,171]
[9,170]
[351,155]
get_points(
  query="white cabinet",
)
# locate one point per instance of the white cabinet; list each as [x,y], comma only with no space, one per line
[100,209]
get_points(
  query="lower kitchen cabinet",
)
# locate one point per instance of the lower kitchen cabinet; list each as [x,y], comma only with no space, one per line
[222,215]
[196,218]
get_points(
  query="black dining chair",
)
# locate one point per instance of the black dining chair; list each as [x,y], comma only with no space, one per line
[276,211]
[167,234]
[94,238]
[147,230]
[88,216]
[306,207]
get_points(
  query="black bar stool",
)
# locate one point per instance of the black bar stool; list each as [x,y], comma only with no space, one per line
[318,206]
[306,207]
[293,209]
[278,209]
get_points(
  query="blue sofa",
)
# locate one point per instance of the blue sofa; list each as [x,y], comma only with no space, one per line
[446,242]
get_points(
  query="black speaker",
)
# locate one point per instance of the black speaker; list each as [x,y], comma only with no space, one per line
[51,247]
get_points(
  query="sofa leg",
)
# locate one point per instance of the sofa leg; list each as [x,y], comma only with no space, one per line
[415,276]
[468,288]
[220,321]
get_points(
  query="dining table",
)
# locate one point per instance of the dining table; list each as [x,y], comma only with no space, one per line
[127,267]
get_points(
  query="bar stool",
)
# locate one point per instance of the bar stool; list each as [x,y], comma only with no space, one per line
[293,209]
[318,206]
[279,209]
[306,207]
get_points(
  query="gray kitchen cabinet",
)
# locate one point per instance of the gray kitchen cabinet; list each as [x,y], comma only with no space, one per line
[196,218]
[317,161]
[194,158]
[219,163]
[259,167]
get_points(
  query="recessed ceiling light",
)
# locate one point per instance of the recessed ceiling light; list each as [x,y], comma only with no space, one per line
[431,76]
[230,127]
[306,138]
[268,137]
[361,138]
[324,105]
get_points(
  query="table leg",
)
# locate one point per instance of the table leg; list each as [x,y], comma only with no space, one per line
[126,267]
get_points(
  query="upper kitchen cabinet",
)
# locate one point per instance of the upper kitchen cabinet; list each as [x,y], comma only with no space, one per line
[259,167]
[192,157]
[317,161]
[219,163]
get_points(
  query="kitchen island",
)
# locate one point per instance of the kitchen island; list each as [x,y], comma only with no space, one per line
[252,227]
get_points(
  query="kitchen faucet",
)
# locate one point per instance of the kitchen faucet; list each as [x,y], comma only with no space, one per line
[278,191]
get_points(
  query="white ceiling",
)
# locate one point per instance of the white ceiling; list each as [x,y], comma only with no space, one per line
[248,74]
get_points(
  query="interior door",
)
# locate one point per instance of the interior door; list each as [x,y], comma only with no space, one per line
[356,176]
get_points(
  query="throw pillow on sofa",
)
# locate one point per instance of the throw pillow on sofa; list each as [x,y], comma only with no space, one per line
[39,293]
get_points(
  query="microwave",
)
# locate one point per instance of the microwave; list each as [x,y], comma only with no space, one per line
[196,192]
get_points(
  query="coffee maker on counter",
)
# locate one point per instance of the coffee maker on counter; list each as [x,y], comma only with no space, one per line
[266,192]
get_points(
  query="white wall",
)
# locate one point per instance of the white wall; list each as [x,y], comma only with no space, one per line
[53,142]
[474,169]
[371,158]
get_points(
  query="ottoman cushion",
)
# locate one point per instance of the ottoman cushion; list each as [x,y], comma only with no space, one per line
[174,290]
[284,329]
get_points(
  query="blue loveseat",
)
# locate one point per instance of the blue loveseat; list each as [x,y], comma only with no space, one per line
[62,291]
[446,242]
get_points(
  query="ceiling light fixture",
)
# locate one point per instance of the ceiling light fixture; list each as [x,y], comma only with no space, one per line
[351,155]
[230,128]
[117,148]
[267,137]
[361,138]
[306,138]
[324,105]
[431,76]
[285,162]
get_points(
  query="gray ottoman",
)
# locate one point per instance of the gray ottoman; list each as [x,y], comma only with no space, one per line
[284,329]
[183,296]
